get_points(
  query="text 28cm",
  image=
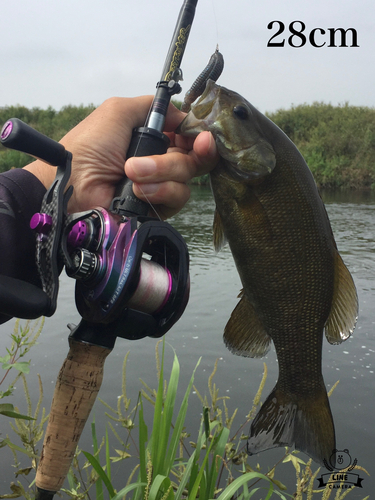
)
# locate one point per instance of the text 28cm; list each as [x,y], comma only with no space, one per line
[316,37]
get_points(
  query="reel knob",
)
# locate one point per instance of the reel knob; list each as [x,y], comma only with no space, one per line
[85,265]
[41,223]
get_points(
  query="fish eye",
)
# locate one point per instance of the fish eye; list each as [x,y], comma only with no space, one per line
[241,112]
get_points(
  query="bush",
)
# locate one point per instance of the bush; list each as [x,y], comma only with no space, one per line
[337,142]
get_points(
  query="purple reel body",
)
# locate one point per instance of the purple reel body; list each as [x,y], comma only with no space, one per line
[134,270]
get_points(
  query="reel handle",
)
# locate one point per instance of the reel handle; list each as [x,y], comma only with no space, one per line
[145,141]
[16,134]
[75,393]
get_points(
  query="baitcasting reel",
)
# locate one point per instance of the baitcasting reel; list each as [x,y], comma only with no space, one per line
[135,270]
[131,271]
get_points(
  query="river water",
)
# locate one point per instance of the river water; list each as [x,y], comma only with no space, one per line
[214,289]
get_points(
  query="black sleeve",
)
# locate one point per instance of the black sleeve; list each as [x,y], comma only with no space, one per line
[21,195]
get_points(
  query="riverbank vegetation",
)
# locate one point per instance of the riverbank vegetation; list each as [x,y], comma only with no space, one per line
[155,457]
[337,142]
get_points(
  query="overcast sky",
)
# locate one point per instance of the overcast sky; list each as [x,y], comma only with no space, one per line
[55,53]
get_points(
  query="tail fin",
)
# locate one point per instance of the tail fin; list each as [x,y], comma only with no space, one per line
[307,424]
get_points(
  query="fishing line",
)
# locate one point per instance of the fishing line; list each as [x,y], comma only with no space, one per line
[144,125]
[216,23]
[151,205]
[135,154]
[140,187]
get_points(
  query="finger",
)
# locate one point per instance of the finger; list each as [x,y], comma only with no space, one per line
[173,118]
[202,149]
[183,142]
[203,146]
[175,165]
[166,198]
[205,152]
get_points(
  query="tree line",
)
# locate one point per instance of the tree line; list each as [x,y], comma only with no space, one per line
[337,142]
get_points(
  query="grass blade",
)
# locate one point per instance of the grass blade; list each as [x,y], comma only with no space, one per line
[156,428]
[185,478]
[143,437]
[107,459]
[218,451]
[7,441]
[158,488]
[196,467]
[176,435]
[93,435]
[98,484]
[127,490]
[240,481]
[161,464]
[200,481]
[98,468]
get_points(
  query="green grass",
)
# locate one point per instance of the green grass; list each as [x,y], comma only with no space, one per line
[167,466]
[163,472]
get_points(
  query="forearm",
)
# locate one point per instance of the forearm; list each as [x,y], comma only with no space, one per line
[21,196]
[42,171]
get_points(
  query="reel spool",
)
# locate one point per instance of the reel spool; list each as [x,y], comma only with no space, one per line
[133,269]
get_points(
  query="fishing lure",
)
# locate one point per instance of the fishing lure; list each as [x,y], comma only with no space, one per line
[212,71]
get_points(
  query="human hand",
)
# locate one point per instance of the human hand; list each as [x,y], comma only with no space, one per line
[162,180]
[99,144]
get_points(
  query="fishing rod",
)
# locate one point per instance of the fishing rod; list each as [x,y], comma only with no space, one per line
[131,270]
[149,140]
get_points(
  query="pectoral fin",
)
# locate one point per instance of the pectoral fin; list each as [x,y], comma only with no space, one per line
[219,236]
[244,333]
[344,310]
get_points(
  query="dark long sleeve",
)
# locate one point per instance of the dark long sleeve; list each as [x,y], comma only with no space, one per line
[21,195]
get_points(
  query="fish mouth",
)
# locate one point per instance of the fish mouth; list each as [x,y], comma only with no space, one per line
[248,157]
[203,114]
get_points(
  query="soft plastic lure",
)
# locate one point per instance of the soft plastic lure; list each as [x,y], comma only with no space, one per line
[212,71]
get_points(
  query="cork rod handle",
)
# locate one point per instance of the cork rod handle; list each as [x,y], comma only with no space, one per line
[76,389]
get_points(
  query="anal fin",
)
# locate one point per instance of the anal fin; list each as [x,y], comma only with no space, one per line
[244,333]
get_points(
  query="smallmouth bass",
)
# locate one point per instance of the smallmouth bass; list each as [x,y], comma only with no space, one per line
[295,284]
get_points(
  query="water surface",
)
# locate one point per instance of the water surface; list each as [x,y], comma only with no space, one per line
[214,289]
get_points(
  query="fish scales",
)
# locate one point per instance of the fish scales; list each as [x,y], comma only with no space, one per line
[295,285]
[274,260]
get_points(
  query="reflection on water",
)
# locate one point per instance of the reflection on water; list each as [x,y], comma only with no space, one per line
[214,289]
[355,236]
[356,197]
